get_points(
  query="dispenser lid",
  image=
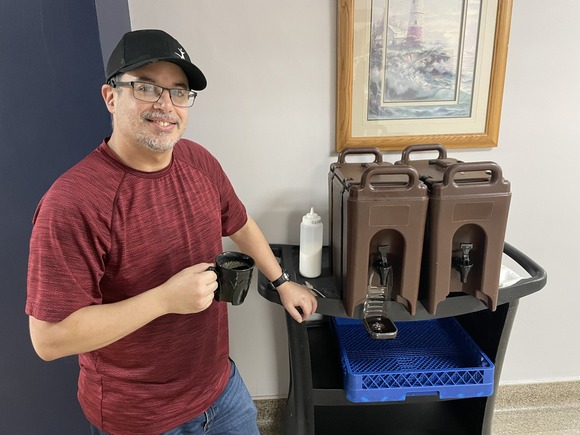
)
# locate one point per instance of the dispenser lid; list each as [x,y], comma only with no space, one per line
[311,217]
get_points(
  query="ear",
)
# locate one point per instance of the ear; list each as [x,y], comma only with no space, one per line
[109,96]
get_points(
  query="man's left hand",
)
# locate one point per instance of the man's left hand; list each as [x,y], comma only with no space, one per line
[294,296]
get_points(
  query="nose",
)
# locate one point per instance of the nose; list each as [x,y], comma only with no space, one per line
[164,99]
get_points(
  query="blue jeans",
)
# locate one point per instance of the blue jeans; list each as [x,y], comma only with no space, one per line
[233,413]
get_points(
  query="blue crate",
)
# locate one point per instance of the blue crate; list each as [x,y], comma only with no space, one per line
[430,357]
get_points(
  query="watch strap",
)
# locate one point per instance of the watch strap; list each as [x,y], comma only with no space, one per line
[285,277]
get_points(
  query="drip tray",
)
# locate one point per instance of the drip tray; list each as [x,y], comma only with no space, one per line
[380,327]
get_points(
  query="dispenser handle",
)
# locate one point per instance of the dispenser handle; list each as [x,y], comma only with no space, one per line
[413,180]
[362,150]
[405,157]
[492,167]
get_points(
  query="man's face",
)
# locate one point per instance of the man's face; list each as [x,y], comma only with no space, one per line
[156,126]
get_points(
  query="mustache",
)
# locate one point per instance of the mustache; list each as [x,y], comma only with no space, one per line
[161,116]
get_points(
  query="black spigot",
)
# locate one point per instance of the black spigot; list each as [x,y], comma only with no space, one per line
[463,264]
[382,265]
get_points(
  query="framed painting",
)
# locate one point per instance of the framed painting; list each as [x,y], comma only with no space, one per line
[415,71]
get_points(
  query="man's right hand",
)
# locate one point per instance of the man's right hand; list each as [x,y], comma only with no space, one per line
[191,290]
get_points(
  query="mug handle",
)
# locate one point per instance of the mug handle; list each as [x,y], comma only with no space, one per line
[217,291]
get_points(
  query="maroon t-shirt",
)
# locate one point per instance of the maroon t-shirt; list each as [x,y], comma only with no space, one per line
[105,232]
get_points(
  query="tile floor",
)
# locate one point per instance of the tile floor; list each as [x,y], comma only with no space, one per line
[530,409]
[544,408]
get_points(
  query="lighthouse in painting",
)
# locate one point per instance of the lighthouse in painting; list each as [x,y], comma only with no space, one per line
[415,27]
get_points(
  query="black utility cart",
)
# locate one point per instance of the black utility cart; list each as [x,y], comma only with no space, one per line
[317,403]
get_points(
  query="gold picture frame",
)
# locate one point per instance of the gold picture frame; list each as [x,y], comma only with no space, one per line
[355,93]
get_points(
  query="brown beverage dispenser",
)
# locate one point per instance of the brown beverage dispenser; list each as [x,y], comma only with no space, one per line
[466,224]
[377,224]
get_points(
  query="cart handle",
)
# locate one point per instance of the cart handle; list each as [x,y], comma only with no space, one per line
[538,276]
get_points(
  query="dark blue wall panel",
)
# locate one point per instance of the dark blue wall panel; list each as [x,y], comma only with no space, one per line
[51,115]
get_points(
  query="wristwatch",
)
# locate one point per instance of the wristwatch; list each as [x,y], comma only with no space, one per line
[285,277]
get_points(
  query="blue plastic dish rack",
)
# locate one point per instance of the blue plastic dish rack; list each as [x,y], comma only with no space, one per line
[428,357]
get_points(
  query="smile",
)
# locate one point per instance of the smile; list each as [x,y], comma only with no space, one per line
[162,124]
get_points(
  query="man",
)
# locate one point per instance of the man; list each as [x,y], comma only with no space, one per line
[119,254]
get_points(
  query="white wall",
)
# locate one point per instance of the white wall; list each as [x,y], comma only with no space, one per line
[268,115]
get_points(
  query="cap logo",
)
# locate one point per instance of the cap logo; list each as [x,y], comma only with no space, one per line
[181,53]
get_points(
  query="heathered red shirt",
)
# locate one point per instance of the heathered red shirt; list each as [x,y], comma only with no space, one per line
[105,232]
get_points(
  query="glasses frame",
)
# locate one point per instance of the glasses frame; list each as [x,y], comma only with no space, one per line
[192,95]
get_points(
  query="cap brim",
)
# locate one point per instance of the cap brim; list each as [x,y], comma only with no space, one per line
[195,77]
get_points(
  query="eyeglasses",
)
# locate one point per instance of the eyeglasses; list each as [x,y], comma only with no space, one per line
[151,93]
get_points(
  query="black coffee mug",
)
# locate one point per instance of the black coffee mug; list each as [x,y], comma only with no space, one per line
[234,271]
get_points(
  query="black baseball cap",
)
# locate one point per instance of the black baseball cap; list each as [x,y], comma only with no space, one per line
[142,47]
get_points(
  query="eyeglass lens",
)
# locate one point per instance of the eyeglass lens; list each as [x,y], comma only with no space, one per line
[152,93]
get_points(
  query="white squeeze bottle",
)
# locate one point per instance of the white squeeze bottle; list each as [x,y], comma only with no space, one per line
[310,263]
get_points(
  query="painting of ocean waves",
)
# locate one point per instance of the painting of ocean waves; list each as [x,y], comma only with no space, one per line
[421,60]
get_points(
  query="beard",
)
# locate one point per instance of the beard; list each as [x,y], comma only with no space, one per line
[157,144]
[161,141]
